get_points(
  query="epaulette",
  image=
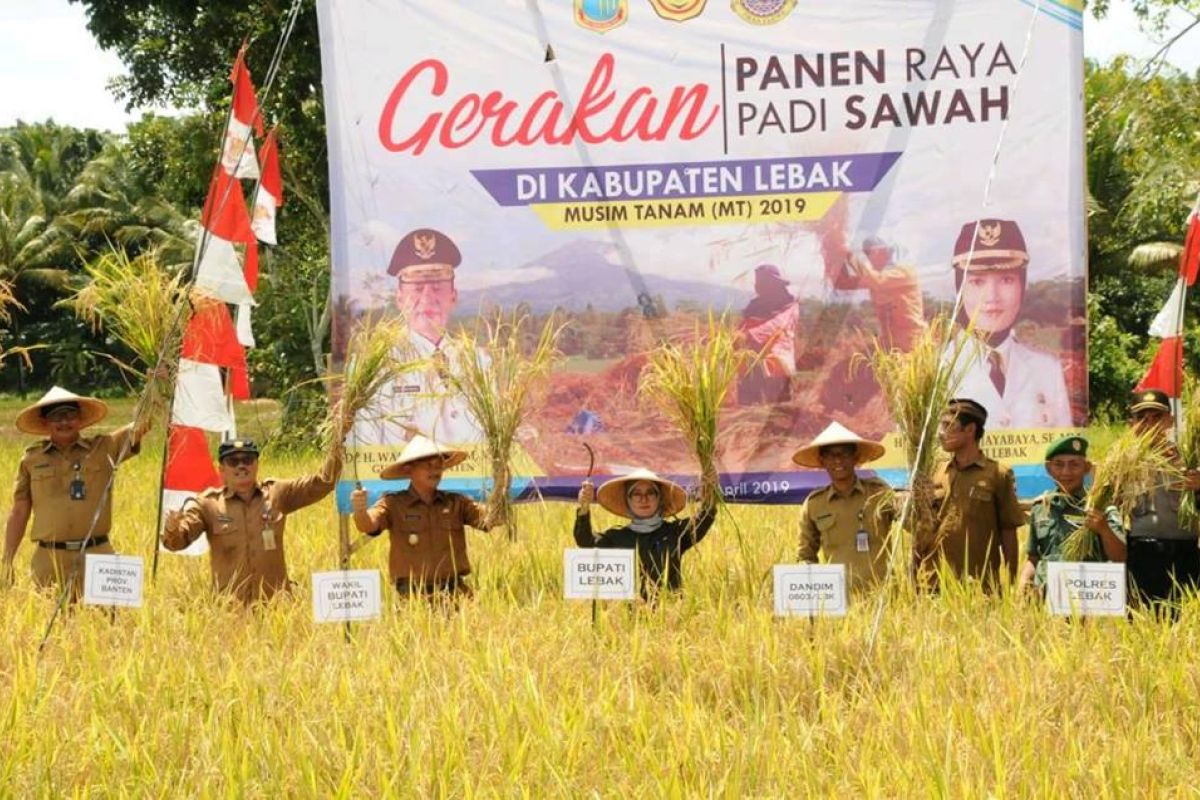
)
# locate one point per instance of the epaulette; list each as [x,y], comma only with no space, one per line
[212,491]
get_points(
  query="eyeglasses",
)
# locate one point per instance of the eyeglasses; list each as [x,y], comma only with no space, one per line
[243,460]
[637,494]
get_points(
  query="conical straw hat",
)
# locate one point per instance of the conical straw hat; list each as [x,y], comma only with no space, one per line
[420,447]
[91,411]
[611,494]
[836,433]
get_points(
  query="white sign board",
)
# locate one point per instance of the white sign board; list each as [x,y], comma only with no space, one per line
[346,595]
[596,574]
[113,580]
[810,590]
[1086,589]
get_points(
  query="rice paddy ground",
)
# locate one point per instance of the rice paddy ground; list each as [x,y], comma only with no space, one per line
[518,694]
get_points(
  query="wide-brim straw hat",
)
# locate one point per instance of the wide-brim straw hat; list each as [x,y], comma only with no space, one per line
[836,433]
[420,447]
[611,494]
[91,411]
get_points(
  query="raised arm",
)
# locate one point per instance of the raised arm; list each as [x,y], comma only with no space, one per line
[184,527]
[583,516]
[696,528]
[292,495]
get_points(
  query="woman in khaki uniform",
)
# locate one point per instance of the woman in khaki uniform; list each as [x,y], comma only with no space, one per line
[65,483]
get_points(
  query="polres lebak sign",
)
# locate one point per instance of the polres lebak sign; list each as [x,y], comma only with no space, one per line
[815,169]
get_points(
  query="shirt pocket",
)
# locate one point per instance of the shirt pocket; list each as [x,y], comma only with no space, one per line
[825,523]
[981,494]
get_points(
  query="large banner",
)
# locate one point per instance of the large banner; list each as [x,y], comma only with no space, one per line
[828,172]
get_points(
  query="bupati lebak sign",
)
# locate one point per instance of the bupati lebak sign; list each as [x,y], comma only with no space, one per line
[806,167]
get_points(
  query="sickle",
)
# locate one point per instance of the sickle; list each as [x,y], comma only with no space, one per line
[591,458]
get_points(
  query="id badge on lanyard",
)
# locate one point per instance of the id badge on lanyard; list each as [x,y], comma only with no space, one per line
[268,533]
[862,541]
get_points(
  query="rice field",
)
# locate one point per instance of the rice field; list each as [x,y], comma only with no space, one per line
[519,694]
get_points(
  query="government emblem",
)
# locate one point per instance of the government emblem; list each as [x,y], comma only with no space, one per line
[678,10]
[601,16]
[763,12]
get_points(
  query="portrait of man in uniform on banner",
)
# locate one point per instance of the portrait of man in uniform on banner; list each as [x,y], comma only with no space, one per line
[420,401]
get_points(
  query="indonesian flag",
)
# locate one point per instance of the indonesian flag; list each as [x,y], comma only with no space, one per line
[219,271]
[1168,322]
[189,470]
[1189,260]
[1166,370]
[237,152]
[269,196]
[200,398]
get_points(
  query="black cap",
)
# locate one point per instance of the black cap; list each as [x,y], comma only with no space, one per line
[236,446]
[1150,400]
[968,408]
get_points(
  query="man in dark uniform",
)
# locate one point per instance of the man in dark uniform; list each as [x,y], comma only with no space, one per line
[977,517]
[1163,556]
[63,481]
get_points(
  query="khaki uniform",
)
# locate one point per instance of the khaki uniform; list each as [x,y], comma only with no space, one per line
[44,479]
[973,505]
[830,522]
[439,552]
[246,539]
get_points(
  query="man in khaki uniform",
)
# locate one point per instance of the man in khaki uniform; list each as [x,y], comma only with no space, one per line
[848,520]
[428,554]
[63,481]
[976,498]
[245,521]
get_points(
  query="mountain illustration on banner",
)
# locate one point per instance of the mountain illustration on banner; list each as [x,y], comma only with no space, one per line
[584,273]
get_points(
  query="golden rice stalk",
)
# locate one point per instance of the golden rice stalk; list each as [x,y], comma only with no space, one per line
[690,382]
[8,301]
[1189,447]
[376,356]
[1137,463]
[917,385]
[498,388]
[145,307]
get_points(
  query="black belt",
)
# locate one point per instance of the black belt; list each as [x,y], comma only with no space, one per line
[95,541]
[1162,545]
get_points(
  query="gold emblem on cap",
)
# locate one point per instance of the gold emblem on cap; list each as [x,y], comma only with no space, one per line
[1075,445]
[424,245]
[989,235]
[1149,396]
[239,443]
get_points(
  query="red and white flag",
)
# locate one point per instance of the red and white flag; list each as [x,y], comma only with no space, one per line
[237,152]
[1166,370]
[1189,260]
[189,470]
[219,269]
[269,195]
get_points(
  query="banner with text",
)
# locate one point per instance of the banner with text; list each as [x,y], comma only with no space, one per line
[816,170]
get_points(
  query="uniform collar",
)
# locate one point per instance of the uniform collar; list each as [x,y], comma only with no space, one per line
[855,489]
[229,494]
[85,443]
[980,461]
[1060,498]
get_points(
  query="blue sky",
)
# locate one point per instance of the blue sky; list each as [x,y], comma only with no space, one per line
[50,66]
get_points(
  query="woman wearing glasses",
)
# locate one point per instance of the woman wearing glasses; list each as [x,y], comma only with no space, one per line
[647,501]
